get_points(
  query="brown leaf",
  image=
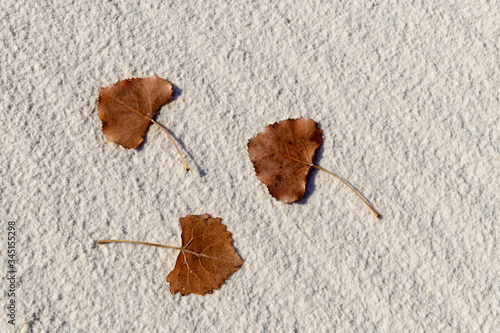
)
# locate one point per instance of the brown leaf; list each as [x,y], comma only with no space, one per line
[207,256]
[128,107]
[282,155]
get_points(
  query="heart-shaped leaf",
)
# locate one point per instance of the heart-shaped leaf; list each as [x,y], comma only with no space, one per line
[282,155]
[206,259]
[127,109]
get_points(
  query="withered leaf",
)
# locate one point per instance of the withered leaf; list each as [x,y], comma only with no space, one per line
[128,107]
[282,155]
[206,259]
[207,256]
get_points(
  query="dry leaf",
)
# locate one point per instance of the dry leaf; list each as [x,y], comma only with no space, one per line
[128,107]
[206,259]
[282,156]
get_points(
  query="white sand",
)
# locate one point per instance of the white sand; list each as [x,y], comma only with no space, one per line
[407,96]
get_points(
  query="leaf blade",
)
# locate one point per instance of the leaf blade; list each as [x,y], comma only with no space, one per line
[128,107]
[282,156]
[197,270]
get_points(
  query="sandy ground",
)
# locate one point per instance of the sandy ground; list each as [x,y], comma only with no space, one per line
[407,96]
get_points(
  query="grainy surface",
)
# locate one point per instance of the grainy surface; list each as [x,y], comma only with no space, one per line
[407,96]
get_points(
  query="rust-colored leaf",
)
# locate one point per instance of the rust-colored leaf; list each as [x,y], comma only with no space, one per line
[206,259]
[282,155]
[128,107]
[207,256]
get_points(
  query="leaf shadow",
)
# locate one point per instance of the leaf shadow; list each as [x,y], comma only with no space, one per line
[311,176]
[177,92]
[181,145]
[201,171]
[140,147]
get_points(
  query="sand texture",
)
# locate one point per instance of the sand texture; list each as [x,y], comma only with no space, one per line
[405,92]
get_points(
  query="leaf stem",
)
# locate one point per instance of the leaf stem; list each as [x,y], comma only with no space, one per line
[134,242]
[27,320]
[377,215]
[175,145]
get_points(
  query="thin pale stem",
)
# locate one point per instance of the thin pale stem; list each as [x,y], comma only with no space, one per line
[150,119]
[26,322]
[377,215]
[175,145]
[134,242]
